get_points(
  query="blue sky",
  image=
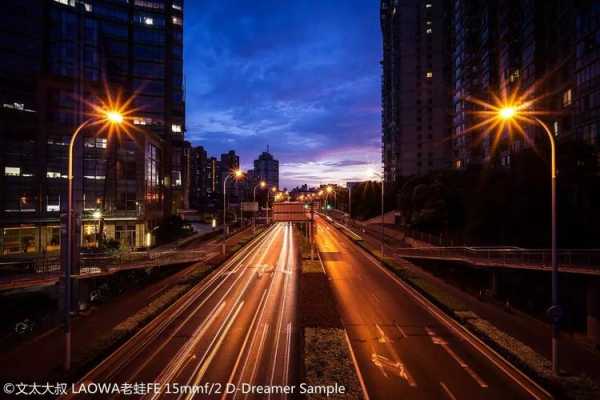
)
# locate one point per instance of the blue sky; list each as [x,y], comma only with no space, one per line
[300,76]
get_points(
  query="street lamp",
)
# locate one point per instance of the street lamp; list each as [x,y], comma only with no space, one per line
[328,190]
[237,174]
[111,118]
[509,113]
[380,176]
[262,185]
[273,189]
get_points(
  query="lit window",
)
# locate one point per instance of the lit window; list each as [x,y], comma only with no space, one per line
[176,21]
[429,74]
[428,31]
[66,2]
[12,171]
[87,7]
[148,21]
[428,23]
[53,174]
[567,98]
[514,76]
[176,128]
[428,5]
[555,126]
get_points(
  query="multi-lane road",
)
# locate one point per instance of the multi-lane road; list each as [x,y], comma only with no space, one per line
[401,343]
[237,330]
[238,326]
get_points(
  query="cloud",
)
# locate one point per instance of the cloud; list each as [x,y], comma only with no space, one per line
[291,75]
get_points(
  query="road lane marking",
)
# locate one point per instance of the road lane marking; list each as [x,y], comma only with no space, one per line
[397,368]
[500,362]
[444,344]
[381,338]
[447,391]
[404,335]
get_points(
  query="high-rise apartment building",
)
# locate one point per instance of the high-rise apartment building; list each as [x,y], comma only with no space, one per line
[266,168]
[415,87]
[58,56]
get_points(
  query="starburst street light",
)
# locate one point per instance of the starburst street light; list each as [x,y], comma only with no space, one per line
[508,113]
[109,115]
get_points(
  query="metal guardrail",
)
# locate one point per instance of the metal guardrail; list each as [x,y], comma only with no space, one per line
[571,260]
[99,264]
[510,257]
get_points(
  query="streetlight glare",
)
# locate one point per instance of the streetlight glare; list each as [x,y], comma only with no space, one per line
[508,112]
[329,189]
[238,173]
[114,116]
[97,214]
[263,184]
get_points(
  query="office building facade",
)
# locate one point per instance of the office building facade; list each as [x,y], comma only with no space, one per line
[266,168]
[60,56]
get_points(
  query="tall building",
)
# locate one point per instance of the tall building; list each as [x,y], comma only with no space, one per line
[415,87]
[506,47]
[59,56]
[200,177]
[474,73]
[229,163]
[266,168]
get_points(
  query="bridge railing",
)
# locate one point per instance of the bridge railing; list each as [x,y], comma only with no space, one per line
[509,256]
[97,264]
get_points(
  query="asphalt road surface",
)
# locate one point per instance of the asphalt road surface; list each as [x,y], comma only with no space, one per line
[238,326]
[402,349]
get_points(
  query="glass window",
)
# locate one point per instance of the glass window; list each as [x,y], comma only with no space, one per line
[149,36]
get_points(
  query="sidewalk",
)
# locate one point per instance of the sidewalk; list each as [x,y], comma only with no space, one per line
[41,358]
[576,355]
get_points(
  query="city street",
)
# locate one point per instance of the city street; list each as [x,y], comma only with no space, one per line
[401,346]
[237,326]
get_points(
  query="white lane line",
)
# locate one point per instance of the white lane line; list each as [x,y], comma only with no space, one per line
[356,368]
[444,344]
[404,335]
[447,391]
[500,362]
[242,349]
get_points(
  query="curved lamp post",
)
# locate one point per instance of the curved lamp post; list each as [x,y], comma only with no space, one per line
[510,113]
[113,117]
[262,185]
[236,175]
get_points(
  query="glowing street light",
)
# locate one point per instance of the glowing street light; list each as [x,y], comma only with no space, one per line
[236,174]
[262,185]
[110,117]
[508,113]
[114,117]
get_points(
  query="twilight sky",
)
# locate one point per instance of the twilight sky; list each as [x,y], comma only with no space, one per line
[300,76]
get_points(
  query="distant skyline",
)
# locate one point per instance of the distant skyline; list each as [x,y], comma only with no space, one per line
[301,77]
